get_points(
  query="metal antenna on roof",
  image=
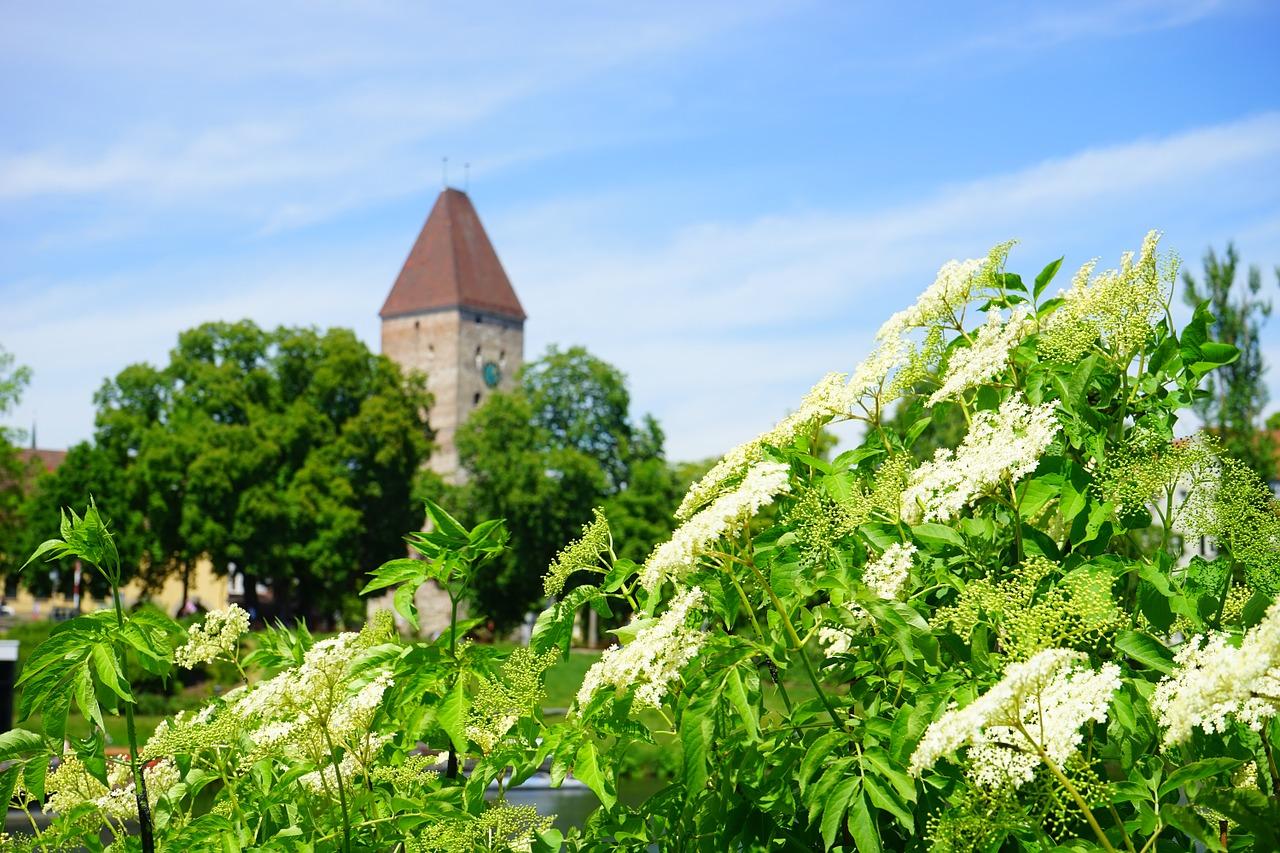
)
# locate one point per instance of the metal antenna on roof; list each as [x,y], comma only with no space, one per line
[444,173]
[466,177]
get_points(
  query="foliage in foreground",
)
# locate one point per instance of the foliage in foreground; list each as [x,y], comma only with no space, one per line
[1005,652]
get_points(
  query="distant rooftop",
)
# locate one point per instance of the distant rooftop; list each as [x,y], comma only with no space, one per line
[49,459]
[453,265]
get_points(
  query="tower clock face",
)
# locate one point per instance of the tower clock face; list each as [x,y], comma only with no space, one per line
[492,375]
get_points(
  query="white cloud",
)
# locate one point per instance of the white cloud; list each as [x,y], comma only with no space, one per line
[726,323]
[721,325]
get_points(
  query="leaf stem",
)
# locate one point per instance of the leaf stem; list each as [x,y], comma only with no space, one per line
[139,781]
[797,646]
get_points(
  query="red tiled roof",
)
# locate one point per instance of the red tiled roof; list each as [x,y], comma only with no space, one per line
[453,265]
[49,459]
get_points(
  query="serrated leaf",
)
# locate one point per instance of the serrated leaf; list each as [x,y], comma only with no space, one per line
[452,714]
[737,696]
[1197,770]
[1146,650]
[404,604]
[586,769]
[862,827]
[1046,275]
[834,807]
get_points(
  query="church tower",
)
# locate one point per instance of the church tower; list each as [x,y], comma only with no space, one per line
[453,315]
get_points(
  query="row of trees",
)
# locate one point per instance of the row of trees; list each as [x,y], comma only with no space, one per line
[299,457]
[292,454]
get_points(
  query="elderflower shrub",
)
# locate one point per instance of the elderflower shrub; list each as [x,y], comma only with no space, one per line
[966,653]
[1002,647]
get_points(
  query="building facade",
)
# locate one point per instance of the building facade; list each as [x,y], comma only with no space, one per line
[453,315]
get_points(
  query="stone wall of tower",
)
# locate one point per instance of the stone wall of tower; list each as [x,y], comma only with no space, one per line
[451,347]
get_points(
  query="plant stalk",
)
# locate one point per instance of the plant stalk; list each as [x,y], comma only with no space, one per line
[139,781]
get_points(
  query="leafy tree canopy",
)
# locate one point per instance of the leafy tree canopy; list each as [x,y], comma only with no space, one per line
[291,453]
[1236,395]
[12,474]
[542,456]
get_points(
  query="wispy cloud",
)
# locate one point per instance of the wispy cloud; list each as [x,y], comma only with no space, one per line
[740,317]
[722,325]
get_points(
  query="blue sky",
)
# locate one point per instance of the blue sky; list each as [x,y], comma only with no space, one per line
[724,200]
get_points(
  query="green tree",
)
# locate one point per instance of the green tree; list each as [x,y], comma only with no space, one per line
[291,453]
[543,455]
[13,474]
[1236,395]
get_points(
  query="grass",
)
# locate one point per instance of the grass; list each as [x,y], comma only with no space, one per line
[78,727]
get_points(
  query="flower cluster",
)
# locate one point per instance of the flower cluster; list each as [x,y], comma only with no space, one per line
[1035,712]
[71,785]
[1075,611]
[1116,306]
[830,398]
[1001,446]
[1148,464]
[299,715]
[215,637]
[885,578]
[762,482]
[649,663]
[1228,501]
[1216,681]
[942,303]
[500,703]
[583,554]
[502,826]
[987,356]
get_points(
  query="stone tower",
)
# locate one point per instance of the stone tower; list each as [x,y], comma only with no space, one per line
[453,314]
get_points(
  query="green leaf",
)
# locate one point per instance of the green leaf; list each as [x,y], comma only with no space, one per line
[937,536]
[34,772]
[835,806]
[446,523]
[695,742]
[1146,650]
[16,742]
[586,769]
[1046,275]
[1197,770]
[8,779]
[405,605]
[107,668]
[403,570]
[452,714]
[817,755]
[862,826]
[737,695]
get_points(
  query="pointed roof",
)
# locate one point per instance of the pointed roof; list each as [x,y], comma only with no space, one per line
[452,265]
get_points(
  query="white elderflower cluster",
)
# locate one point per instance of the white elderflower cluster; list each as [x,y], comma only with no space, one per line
[763,481]
[215,637]
[1003,445]
[988,355]
[887,578]
[1215,682]
[650,662]
[354,714]
[944,299]
[71,785]
[326,778]
[830,398]
[1116,306]
[1040,705]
